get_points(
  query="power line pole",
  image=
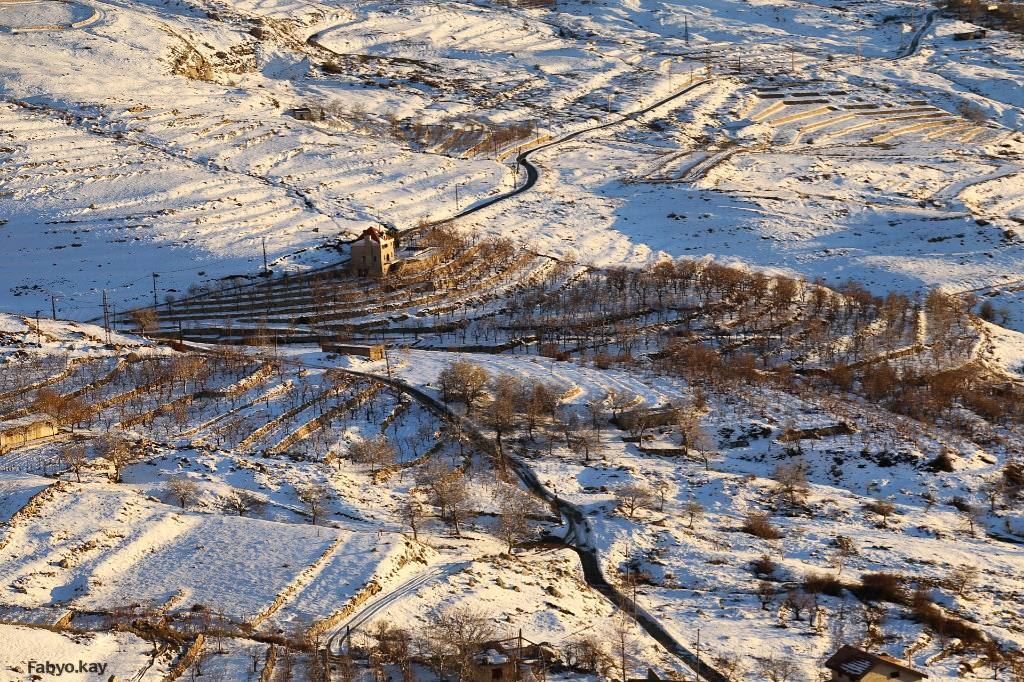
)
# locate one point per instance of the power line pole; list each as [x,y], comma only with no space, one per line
[53,306]
[698,654]
[155,275]
[106,317]
[265,268]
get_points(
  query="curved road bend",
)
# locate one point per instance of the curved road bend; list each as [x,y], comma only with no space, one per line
[915,42]
[578,529]
[533,173]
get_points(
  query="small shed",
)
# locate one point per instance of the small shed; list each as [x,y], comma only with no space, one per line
[17,433]
[371,352]
[976,34]
[308,113]
[851,664]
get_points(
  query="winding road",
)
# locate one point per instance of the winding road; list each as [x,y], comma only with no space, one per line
[578,537]
[533,173]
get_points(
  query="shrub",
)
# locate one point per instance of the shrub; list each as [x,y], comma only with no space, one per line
[961,504]
[881,587]
[944,625]
[823,583]
[764,566]
[942,463]
[760,525]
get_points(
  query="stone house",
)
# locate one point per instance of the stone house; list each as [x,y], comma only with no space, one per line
[19,432]
[373,254]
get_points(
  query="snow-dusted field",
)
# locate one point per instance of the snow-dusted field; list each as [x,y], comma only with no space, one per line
[151,149]
[186,170]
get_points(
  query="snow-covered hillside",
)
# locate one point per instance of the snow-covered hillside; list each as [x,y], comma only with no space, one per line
[703,351]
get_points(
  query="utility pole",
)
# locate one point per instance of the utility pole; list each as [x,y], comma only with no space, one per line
[265,268]
[155,275]
[387,361]
[106,317]
[457,204]
[53,306]
[39,332]
[698,654]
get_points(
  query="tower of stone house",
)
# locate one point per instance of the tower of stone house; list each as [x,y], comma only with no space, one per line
[373,254]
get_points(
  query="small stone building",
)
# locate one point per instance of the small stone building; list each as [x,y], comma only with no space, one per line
[373,254]
[20,432]
[307,114]
[515,658]
[370,352]
[851,664]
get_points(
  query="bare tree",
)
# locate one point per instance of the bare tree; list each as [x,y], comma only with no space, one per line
[376,452]
[74,457]
[777,669]
[463,381]
[242,502]
[313,498]
[695,510]
[661,486]
[183,490]
[145,319]
[515,507]
[634,496]
[883,509]
[583,442]
[412,514]
[508,391]
[622,642]
[791,482]
[451,638]
[449,492]
[961,578]
[844,549]
[116,449]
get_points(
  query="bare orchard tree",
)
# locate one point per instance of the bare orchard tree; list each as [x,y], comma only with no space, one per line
[145,319]
[451,638]
[463,381]
[182,490]
[412,512]
[376,452]
[777,669]
[961,578]
[314,499]
[662,487]
[515,507]
[448,491]
[508,392]
[791,482]
[634,496]
[703,442]
[117,450]
[695,511]
[242,502]
[583,443]
[75,458]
